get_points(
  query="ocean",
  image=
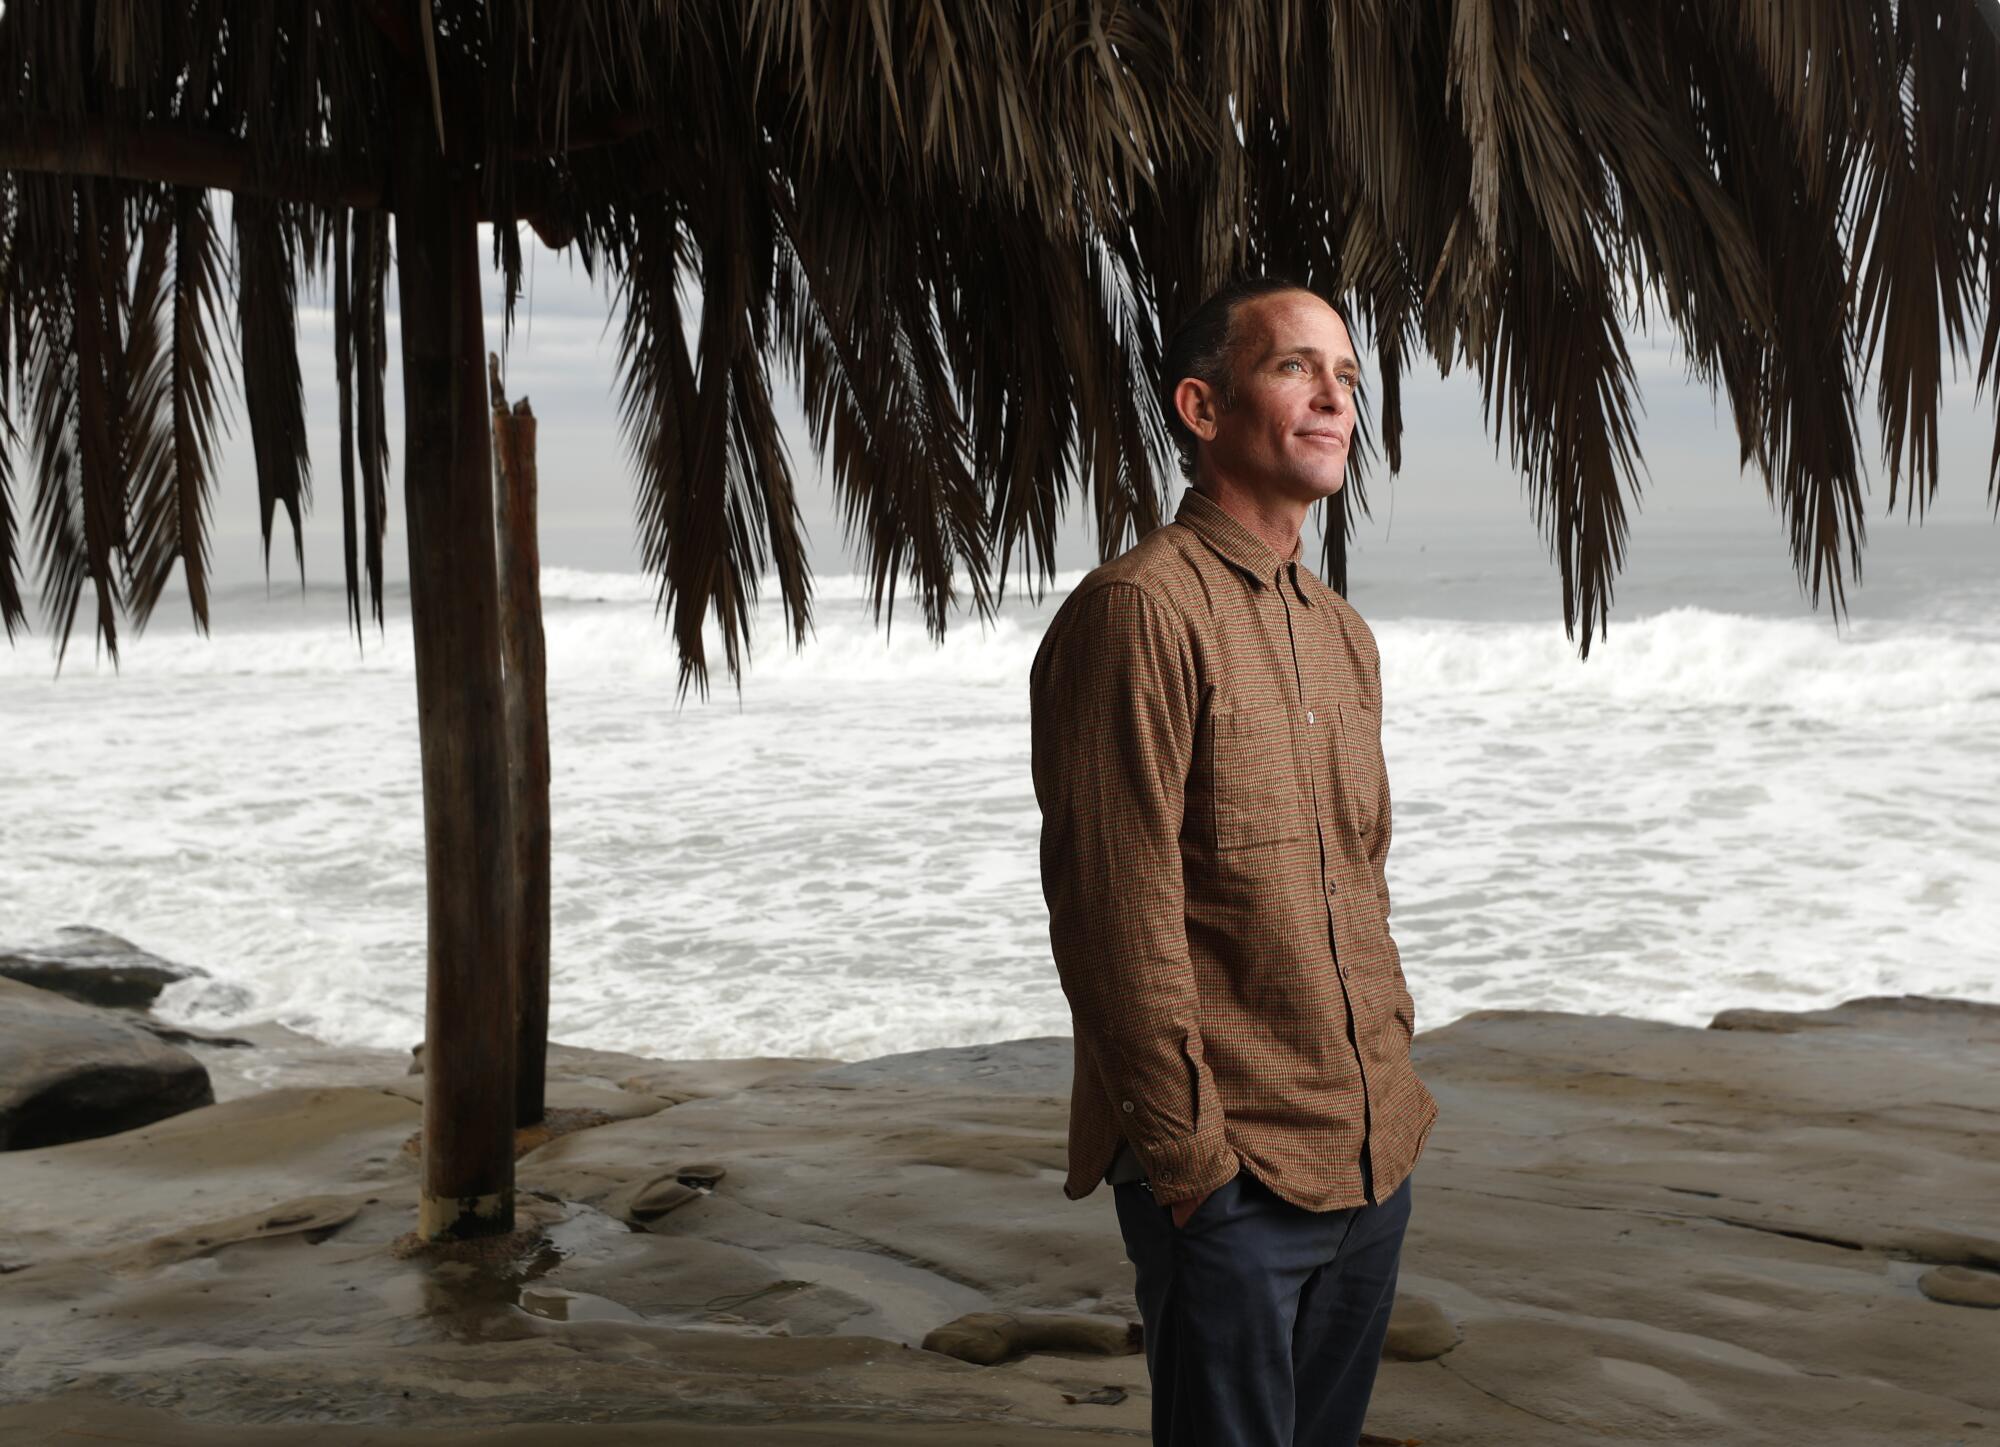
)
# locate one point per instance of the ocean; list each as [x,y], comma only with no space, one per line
[1730,803]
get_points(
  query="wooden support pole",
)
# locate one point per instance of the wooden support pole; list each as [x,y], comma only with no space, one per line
[524,656]
[468,1133]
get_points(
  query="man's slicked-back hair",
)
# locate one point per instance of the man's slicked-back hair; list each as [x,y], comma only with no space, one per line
[1202,345]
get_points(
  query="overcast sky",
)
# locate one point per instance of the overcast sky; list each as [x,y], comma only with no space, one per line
[564,356]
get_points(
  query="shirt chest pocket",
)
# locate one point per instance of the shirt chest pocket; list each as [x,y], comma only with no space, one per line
[1253,784]
[1358,765]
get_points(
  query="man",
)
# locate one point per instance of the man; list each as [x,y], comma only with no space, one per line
[1215,819]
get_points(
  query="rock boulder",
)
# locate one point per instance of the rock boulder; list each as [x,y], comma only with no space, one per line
[70,1071]
[94,967]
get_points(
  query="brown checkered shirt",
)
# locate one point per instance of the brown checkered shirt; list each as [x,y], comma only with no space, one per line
[1207,754]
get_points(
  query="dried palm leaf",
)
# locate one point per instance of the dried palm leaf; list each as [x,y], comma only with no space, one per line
[965,228]
[268,265]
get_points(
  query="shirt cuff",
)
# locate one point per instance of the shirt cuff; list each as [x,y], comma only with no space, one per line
[1191,1166]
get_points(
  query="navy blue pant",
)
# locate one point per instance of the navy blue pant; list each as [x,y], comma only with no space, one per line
[1263,1320]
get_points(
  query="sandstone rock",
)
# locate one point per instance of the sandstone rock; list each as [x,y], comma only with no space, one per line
[673,1081]
[1647,1234]
[645,1201]
[94,967]
[1938,1015]
[1773,1022]
[313,1218]
[278,1057]
[1419,1330]
[70,1072]
[683,1080]
[181,1035]
[1961,1286]
[986,1337]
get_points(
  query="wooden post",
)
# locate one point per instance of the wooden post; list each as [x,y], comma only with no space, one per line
[468,1132]
[525,670]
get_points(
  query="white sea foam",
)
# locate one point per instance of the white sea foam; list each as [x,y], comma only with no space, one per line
[1695,658]
[1715,809]
[607,623]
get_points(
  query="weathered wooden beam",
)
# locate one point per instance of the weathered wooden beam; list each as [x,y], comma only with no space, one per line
[524,656]
[179,156]
[176,155]
[468,1133]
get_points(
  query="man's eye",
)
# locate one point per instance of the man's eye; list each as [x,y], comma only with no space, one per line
[1292,362]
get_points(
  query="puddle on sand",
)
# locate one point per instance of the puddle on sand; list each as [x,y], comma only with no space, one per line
[476,1300]
[504,1300]
[554,1303]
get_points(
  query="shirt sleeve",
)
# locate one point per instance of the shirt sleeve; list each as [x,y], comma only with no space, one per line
[1114,701]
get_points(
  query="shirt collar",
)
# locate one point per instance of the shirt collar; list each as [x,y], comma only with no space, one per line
[1236,545]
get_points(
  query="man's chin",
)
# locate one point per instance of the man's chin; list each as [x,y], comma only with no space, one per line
[1324,485]
[1319,476]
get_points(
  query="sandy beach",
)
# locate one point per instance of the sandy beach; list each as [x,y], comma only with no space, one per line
[1779,1229]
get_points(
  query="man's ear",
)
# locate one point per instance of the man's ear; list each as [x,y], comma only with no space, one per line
[1196,402]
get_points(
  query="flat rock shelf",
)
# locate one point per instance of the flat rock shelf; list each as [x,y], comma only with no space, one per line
[1623,1231]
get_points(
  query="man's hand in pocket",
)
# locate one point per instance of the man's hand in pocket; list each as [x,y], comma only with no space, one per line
[1183,1209]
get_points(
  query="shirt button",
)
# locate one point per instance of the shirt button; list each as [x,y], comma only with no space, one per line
[1128,1105]
[1309,715]
[1329,886]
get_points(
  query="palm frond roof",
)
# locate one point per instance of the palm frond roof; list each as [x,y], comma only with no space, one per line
[962,229]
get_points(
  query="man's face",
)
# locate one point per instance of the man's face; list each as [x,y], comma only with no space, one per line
[1287,429]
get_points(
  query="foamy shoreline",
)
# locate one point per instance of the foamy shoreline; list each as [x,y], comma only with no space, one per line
[1672,828]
